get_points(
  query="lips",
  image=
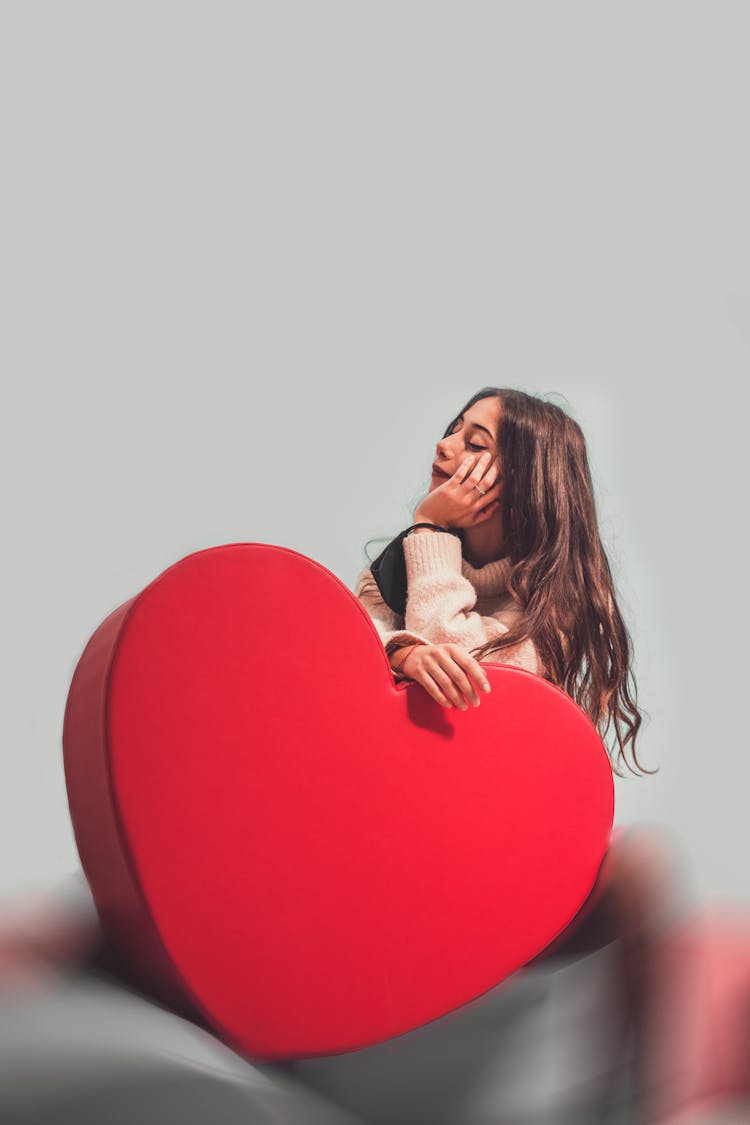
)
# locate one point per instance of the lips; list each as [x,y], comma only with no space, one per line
[436,472]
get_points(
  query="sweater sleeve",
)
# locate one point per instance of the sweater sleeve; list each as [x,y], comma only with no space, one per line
[440,605]
[389,625]
[440,602]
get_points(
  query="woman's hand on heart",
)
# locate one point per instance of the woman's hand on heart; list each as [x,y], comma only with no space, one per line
[466,499]
[447,673]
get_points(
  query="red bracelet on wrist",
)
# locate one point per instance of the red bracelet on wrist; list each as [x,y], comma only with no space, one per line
[403,653]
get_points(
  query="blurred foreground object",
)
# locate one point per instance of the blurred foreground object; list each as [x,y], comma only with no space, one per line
[697,1045]
[79,1045]
[640,1013]
[556,1044]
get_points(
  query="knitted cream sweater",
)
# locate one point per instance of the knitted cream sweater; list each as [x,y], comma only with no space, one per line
[448,600]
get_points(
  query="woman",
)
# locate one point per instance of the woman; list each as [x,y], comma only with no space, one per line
[504,563]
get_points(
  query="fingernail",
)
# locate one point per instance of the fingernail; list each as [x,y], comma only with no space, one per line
[486,687]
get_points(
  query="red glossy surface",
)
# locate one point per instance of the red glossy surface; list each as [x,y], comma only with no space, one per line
[318,858]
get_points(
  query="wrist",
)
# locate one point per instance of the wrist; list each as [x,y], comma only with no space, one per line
[430,526]
[426,516]
[401,655]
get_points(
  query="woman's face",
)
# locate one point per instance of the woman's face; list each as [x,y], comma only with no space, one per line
[474,432]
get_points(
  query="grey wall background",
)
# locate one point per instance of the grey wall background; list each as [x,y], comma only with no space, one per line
[254,257]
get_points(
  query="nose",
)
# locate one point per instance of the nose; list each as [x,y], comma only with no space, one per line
[444,447]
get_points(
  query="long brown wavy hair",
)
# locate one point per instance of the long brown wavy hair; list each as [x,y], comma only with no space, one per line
[559,574]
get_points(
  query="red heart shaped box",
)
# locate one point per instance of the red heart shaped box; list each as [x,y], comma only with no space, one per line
[318,858]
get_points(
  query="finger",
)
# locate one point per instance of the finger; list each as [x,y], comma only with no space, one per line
[493,472]
[472,667]
[461,680]
[479,501]
[479,469]
[486,493]
[463,469]
[426,681]
[447,686]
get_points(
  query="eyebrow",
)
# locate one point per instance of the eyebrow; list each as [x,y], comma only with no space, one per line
[476,426]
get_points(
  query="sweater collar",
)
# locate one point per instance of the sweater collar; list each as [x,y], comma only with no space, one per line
[490,579]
